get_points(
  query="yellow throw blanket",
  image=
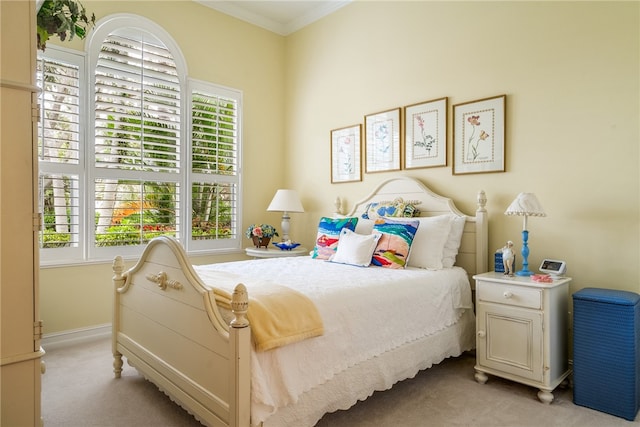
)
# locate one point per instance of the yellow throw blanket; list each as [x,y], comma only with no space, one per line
[278,315]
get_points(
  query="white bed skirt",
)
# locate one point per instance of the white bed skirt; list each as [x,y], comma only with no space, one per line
[378,374]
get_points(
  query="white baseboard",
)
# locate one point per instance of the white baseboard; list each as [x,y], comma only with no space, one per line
[75,336]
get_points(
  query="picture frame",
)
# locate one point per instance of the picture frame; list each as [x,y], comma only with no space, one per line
[425,134]
[346,159]
[479,136]
[382,141]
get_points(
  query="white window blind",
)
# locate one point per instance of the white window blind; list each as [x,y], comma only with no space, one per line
[137,141]
[130,148]
[59,152]
[214,134]
[137,106]
[58,136]
[214,163]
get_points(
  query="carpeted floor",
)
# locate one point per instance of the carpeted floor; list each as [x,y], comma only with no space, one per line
[79,390]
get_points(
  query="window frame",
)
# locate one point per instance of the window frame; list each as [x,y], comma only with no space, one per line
[68,254]
[200,246]
[87,250]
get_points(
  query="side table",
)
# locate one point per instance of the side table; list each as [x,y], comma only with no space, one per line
[276,253]
[521,331]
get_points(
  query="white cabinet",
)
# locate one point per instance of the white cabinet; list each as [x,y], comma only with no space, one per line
[521,331]
[20,327]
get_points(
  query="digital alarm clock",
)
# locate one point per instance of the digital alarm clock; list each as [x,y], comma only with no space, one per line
[553,267]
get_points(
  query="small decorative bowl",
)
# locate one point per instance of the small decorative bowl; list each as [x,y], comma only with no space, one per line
[286,246]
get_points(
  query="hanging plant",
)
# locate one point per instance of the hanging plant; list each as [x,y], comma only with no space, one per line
[64,18]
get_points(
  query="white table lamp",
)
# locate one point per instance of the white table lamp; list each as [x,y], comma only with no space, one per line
[285,201]
[526,204]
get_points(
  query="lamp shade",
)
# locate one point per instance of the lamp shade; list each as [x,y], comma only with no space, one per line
[525,204]
[286,201]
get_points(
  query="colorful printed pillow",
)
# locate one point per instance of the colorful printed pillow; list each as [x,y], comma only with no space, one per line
[355,249]
[397,208]
[329,234]
[395,243]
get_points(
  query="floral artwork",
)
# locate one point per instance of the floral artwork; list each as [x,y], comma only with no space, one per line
[382,140]
[345,154]
[473,151]
[382,145]
[423,144]
[479,133]
[425,134]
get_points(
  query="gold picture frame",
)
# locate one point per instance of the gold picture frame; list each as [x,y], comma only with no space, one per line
[346,159]
[479,136]
[382,141]
[425,134]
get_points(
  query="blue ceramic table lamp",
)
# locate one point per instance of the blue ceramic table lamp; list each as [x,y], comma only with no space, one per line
[526,204]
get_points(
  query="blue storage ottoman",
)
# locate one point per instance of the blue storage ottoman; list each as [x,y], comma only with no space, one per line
[606,351]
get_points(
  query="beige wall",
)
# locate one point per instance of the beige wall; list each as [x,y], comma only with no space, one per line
[569,70]
[571,75]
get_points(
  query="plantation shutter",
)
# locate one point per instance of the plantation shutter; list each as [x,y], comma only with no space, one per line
[59,152]
[214,134]
[137,141]
[214,163]
[137,123]
[130,148]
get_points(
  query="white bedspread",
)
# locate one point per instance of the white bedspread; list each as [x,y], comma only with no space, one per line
[366,312]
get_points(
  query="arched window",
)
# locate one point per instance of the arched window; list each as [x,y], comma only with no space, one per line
[161,154]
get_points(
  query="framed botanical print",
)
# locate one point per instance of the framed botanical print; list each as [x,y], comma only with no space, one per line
[382,141]
[425,134]
[479,136]
[346,162]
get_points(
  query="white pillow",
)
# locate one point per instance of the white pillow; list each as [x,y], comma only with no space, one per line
[354,248]
[364,226]
[428,245]
[453,241]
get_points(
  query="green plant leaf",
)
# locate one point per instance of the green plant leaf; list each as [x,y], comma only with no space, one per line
[64,18]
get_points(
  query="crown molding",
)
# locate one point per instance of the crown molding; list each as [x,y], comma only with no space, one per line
[242,11]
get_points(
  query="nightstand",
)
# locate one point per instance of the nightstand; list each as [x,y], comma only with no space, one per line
[276,253]
[521,331]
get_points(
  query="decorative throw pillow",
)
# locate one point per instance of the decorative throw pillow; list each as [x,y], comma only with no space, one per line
[355,249]
[329,235]
[428,245]
[392,250]
[364,226]
[397,208]
[452,244]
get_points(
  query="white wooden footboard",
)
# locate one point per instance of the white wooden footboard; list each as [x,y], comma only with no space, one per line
[166,324]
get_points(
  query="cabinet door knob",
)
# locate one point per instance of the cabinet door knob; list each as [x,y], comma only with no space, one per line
[507,294]
[481,334]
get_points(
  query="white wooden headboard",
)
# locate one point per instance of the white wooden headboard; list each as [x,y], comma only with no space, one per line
[473,254]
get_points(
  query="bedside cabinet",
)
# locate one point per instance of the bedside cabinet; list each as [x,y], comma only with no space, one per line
[521,331]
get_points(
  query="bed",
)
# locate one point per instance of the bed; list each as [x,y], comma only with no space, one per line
[187,328]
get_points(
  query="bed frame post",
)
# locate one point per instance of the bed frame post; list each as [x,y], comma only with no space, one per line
[240,340]
[118,282]
[482,234]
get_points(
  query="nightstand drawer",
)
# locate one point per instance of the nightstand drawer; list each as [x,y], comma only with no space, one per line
[517,296]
